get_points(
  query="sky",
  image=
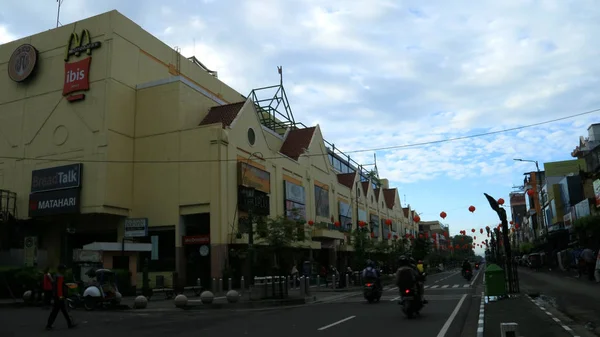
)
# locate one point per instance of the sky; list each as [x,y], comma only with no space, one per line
[378,73]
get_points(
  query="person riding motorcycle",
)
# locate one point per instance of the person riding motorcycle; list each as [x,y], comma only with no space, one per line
[419,268]
[407,276]
[466,266]
[371,274]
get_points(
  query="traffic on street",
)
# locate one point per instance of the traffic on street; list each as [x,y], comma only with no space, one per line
[348,315]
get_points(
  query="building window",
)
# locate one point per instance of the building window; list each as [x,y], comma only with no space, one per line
[322,202]
[345,216]
[251,136]
[294,199]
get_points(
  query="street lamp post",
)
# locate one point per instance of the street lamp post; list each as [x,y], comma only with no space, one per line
[538,179]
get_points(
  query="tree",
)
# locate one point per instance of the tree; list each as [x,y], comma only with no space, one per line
[464,243]
[374,177]
[363,245]
[279,233]
[421,248]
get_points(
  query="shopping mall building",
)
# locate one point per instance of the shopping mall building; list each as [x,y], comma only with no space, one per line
[111,138]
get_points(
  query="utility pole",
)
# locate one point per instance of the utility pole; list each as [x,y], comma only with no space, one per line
[58,12]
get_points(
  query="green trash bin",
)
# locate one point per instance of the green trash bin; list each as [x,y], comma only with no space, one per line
[495,282]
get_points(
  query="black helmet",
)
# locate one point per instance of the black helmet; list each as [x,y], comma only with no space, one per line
[412,260]
[370,263]
[403,261]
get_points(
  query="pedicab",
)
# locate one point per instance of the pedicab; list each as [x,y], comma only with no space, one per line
[102,291]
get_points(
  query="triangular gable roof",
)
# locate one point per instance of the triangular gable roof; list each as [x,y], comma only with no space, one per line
[377,191]
[365,187]
[224,114]
[389,195]
[296,142]
[347,179]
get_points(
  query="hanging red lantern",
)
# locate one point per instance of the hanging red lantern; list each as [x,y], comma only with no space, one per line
[481,231]
[412,237]
[517,226]
[530,192]
[372,235]
[500,201]
[488,235]
[473,230]
[511,222]
[417,218]
[310,222]
[457,247]
[420,235]
[487,228]
[395,236]
[406,236]
[362,223]
[472,208]
[337,224]
[389,236]
[474,238]
[443,215]
[332,218]
[446,234]
[388,222]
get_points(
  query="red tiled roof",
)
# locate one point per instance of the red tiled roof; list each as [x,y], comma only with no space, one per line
[297,142]
[346,179]
[405,210]
[365,187]
[224,114]
[376,192]
[389,195]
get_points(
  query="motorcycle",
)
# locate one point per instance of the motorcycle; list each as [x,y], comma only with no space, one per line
[411,302]
[371,292]
[476,266]
[468,275]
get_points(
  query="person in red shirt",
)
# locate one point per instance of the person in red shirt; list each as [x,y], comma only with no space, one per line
[47,287]
[60,303]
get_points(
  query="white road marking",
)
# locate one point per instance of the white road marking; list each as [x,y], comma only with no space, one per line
[335,323]
[395,299]
[466,285]
[445,286]
[475,278]
[450,319]
[455,286]
[433,287]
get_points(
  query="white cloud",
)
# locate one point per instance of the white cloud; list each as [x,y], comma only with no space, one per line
[380,73]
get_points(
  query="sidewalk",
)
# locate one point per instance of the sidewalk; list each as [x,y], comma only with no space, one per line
[532,321]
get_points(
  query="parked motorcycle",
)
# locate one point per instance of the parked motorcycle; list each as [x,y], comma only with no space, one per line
[371,292]
[411,302]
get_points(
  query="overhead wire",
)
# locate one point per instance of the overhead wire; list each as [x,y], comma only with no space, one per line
[384,148]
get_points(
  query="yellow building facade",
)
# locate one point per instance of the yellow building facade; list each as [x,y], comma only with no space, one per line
[108,133]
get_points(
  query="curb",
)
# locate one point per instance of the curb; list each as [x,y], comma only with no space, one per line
[13,305]
[554,318]
[247,305]
[481,321]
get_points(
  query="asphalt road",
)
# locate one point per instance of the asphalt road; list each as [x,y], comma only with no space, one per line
[348,316]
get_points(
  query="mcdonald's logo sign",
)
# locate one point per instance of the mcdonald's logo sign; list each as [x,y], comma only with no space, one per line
[80,43]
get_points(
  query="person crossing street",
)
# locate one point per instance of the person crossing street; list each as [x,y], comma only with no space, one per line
[59,293]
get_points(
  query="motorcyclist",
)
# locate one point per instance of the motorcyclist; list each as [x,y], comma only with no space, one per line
[406,275]
[419,268]
[466,266]
[372,274]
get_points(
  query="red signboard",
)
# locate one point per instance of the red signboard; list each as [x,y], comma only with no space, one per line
[77,76]
[196,240]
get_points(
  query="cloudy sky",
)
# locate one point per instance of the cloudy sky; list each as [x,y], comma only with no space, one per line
[383,73]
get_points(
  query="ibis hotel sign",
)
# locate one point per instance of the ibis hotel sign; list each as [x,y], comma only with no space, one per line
[77,73]
[55,190]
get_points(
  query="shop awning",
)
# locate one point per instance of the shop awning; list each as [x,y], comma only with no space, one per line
[118,246]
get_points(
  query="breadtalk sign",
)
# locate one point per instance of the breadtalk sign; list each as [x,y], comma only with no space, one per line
[77,74]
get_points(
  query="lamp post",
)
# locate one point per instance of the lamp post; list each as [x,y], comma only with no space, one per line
[538,179]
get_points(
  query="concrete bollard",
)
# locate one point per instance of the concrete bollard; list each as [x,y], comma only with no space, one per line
[181,301]
[220,289]
[242,285]
[207,297]
[302,292]
[214,285]
[140,302]
[318,281]
[307,286]
[333,281]
[509,330]
[198,283]
[347,280]
[229,284]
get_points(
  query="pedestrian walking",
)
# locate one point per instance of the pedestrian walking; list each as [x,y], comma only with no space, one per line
[47,287]
[589,262]
[59,293]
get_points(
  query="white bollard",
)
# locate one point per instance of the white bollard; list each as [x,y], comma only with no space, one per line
[198,283]
[347,280]
[318,281]
[302,290]
[229,284]
[214,285]
[242,285]
[333,281]
[509,330]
